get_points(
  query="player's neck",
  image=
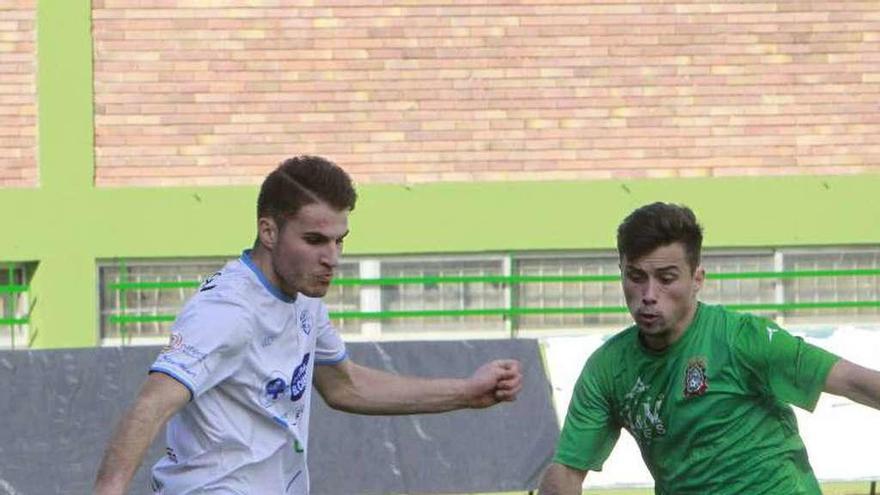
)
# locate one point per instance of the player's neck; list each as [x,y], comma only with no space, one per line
[262,259]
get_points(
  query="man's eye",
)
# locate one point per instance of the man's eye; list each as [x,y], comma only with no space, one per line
[668,280]
[635,276]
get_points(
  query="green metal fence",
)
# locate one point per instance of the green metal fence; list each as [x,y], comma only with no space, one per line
[14,310]
[514,281]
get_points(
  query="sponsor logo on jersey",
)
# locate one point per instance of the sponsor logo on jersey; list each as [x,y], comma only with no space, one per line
[171,455]
[291,417]
[276,387]
[299,381]
[641,413]
[178,365]
[269,340]
[695,381]
[305,322]
[175,342]
[209,282]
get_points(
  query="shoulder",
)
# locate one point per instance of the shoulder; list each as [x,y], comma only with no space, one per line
[224,299]
[613,350]
[716,315]
[726,323]
[621,340]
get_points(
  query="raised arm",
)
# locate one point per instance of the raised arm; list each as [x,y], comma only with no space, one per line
[351,387]
[854,382]
[560,479]
[158,400]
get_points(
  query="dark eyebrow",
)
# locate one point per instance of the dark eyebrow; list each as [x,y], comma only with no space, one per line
[668,268]
[319,235]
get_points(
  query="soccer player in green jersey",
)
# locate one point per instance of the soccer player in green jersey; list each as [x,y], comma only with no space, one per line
[705,392]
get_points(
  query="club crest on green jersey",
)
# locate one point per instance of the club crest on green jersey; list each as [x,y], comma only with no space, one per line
[695,381]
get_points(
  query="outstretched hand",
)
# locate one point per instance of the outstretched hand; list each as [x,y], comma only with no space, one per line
[494,382]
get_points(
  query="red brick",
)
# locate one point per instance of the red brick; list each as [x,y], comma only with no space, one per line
[403,89]
[18,167]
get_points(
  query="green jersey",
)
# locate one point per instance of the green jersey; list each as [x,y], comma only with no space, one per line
[710,413]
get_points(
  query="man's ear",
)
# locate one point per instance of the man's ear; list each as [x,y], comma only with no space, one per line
[699,278]
[267,232]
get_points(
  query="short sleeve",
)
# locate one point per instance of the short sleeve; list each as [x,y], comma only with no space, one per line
[329,346]
[208,344]
[786,367]
[590,431]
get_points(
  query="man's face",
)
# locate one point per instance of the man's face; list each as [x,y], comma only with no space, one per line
[661,293]
[307,249]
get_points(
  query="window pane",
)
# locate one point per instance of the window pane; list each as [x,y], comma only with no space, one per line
[14,305]
[174,281]
[737,291]
[443,296]
[345,297]
[833,289]
[590,294]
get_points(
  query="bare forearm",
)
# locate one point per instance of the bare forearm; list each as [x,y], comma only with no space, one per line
[126,450]
[867,391]
[378,392]
[855,382]
[158,400]
[561,480]
[354,388]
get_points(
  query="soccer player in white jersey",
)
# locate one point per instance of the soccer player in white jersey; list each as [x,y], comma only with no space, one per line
[235,380]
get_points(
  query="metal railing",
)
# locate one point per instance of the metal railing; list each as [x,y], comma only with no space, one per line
[516,280]
[12,316]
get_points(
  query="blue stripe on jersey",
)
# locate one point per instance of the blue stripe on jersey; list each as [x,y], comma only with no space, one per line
[175,376]
[275,291]
[333,360]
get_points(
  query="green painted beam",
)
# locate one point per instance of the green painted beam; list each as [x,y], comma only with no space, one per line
[736,212]
[490,217]
[67,225]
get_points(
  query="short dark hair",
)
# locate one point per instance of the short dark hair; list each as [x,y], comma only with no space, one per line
[304,180]
[660,224]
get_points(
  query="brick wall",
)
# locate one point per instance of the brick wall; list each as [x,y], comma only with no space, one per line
[18,103]
[409,91]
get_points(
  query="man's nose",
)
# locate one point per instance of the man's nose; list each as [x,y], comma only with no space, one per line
[649,295]
[330,256]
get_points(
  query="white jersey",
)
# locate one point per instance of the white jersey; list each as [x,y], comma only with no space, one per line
[246,352]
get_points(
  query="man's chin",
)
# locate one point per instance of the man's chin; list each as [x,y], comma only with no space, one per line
[314,291]
[651,329]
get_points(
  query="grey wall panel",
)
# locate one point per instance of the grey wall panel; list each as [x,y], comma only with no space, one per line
[502,448]
[58,408]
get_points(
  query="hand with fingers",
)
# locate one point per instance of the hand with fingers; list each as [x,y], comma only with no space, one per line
[494,382]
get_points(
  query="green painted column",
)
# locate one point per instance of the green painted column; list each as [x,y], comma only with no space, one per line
[63,287]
